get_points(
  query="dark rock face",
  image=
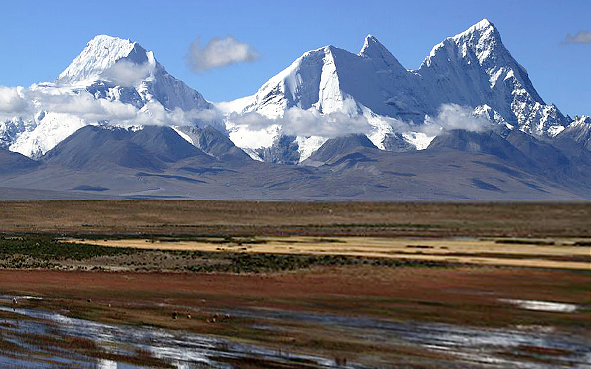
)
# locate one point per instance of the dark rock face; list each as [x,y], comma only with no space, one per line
[396,143]
[283,151]
[215,143]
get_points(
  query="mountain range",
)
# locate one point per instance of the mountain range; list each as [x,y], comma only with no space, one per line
[467,124]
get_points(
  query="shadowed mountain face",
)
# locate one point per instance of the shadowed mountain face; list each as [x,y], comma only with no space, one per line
[283,151]
[523,151]
[156,163]
[481,142]
[99,148]
[124,169]
[395,142]
[12,161]
[541,153]
[335,148]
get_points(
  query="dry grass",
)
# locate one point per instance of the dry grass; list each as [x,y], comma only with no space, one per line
[555,253]
[299,218]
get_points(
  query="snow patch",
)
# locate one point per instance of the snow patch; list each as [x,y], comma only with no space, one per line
[247,138]
[553,131]
[55,128]
[185,136]
[420,140]
[307,145]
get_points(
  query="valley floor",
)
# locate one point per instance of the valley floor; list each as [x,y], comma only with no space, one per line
[351,285]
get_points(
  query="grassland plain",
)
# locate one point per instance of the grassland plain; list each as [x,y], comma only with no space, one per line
[346,281]
[518,219]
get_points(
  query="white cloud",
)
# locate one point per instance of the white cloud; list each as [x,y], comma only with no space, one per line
[306,123]
[82,108]
[86,107]
[219,52]
[27,103]
[453,116]
[13,101]
[153,113]
[300,122]
[581,37]
[127,73]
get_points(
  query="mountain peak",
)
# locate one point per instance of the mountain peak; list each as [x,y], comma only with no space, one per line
[479,32]
[369,39]
[107,40]
[481,41]
[99,55]
[485,72]
[373,49]
[370,45]
[483,24]
[337,147]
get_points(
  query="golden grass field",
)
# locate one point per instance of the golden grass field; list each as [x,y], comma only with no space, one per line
[541,253]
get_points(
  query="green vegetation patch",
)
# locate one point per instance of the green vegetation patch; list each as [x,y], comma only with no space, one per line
[44,251]
[49,251]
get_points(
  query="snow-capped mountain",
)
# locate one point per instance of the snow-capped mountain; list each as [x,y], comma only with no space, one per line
[122,70]
[112,80]
[580,131]
[468,124]
[576,138]
[472,70]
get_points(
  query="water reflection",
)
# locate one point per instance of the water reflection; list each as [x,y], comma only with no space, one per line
[523,347]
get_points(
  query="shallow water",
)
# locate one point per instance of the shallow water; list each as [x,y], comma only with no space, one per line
[184,350]
[477,345]
[470,346]
[551,306]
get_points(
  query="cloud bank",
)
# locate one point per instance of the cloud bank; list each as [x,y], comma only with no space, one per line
[300,122]
[72,110]
[28,103]
[127,73]
[19,102]
[581,37]
[453,116]
[13,101]
[219,52]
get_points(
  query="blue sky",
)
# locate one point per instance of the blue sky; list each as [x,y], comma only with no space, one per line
[40,38]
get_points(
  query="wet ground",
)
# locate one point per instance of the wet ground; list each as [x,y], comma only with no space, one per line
[37,338]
